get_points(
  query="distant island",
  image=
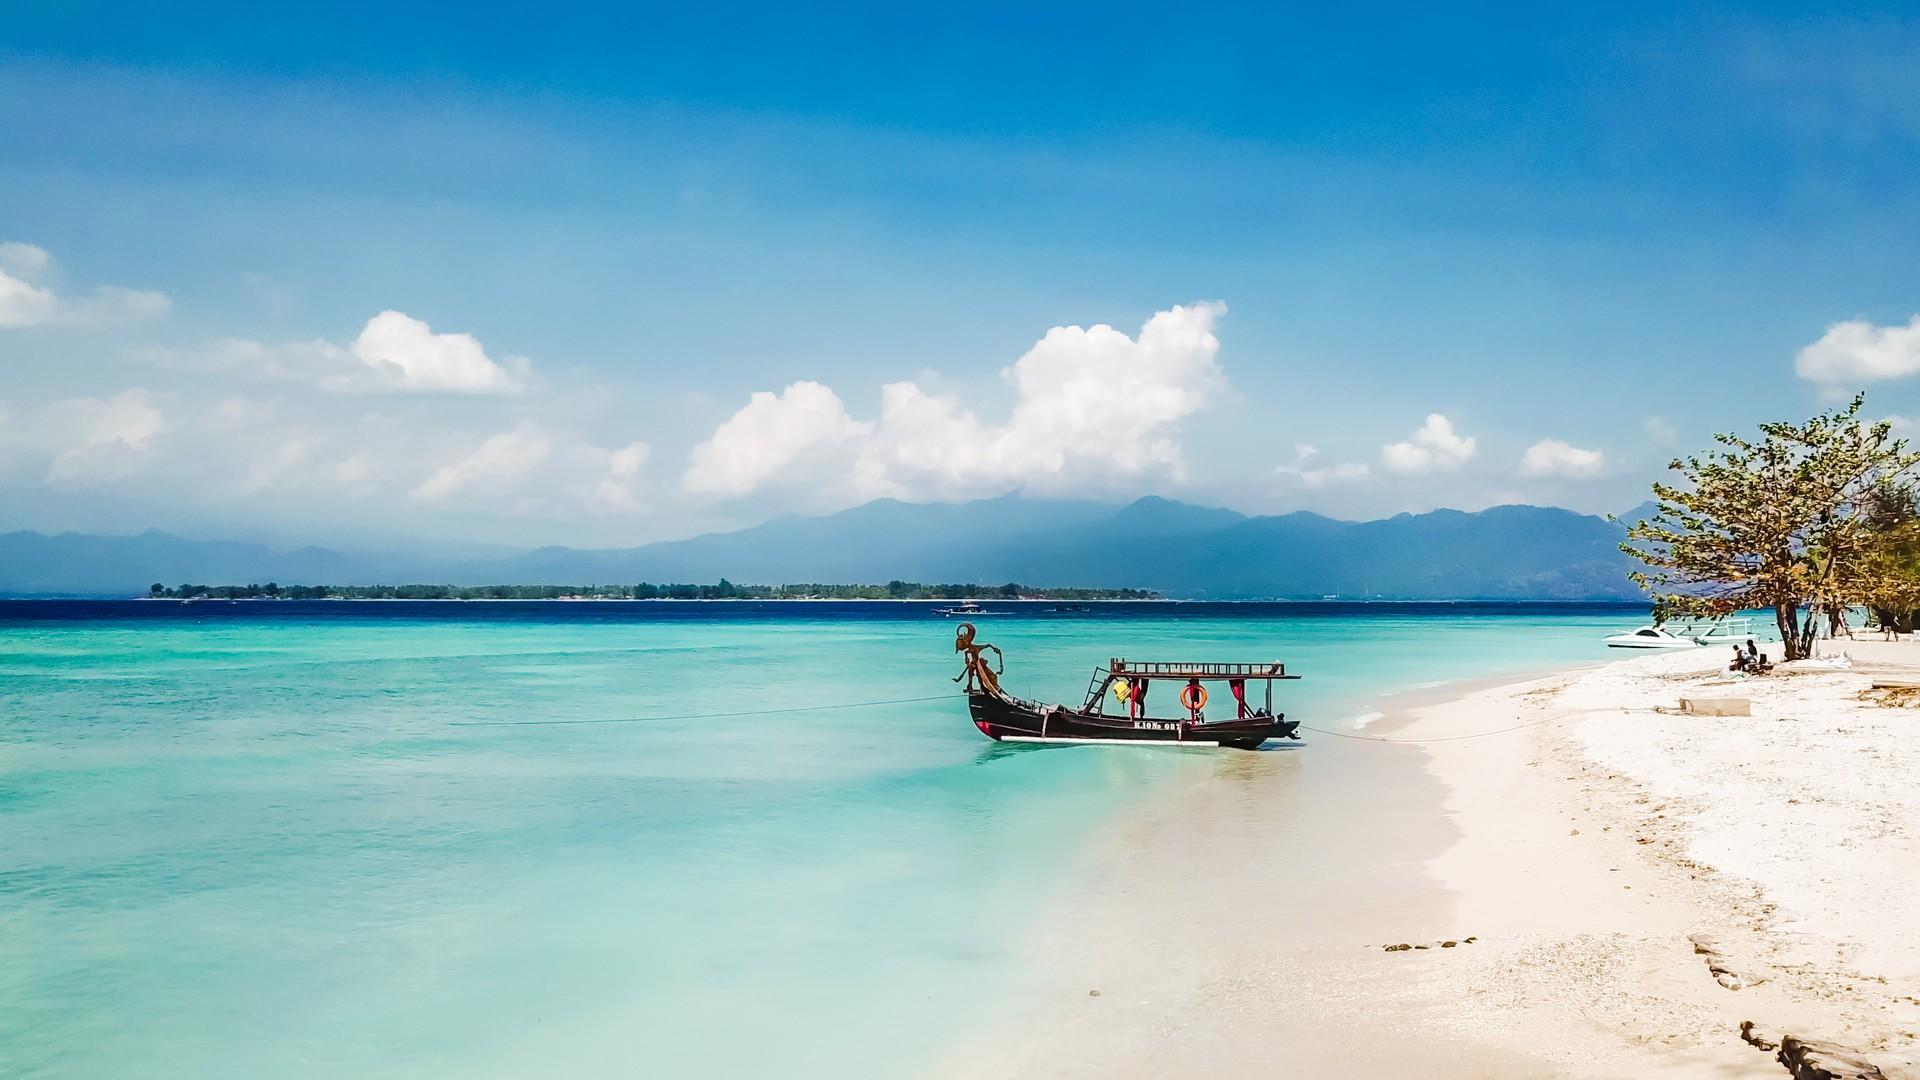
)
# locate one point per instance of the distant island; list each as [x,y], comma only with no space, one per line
[721,590]
[1174,549]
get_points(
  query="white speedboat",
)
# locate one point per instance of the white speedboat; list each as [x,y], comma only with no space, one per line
[1651,637]
[965,609]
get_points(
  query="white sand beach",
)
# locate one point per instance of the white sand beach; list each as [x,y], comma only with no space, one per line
[1613,889]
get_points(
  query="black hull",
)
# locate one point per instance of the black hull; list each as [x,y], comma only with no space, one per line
[1007,719]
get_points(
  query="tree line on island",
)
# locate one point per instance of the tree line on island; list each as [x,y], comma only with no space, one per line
[1809,519]
[722,590]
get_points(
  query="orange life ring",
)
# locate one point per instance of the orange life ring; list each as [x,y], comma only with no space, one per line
[1194,697]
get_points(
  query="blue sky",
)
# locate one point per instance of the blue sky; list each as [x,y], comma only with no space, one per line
[1583,242]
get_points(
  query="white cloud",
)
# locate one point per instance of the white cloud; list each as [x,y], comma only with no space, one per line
[1091,405]
[393,353]
[531,470]
[24,304]
[769,433]
[1857,351]
[1552,457]
[1434,447]
[405,352]
[1315,476]
[495,467]
[25,260]
[1660,431]
[233,414]
[110,305]
[101,439]
[618,491]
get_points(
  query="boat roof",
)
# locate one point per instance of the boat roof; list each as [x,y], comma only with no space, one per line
[1155,669]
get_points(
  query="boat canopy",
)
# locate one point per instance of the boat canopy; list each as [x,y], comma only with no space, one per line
[1135,669]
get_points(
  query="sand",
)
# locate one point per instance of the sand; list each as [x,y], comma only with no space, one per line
[1623,886]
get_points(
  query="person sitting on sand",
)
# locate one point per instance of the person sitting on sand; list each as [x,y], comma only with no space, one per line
[1739,660]
[1756,660]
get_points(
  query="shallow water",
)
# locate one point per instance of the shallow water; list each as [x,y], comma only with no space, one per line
[324,839]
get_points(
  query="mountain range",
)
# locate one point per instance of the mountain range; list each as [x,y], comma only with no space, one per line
[1180,550]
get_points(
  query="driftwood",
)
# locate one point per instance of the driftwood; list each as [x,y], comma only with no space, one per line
[1808,1059]
[1707,947]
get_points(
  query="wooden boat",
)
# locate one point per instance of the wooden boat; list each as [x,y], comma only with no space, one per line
[1005,718]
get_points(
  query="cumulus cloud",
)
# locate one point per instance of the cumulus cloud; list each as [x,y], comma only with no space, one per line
[770,433]
[404,352]
[231,414]
[1434,447]
[101,439]
[1857,351]
[530,469]
[21,302]
[110,305]
[1552,457]
[1316,476]
[25,260]
[1091,404]
[24,304]
[394,352]
[618,491]
[494,467]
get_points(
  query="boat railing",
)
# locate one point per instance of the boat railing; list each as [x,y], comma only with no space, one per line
[1719,630]
[1125,669]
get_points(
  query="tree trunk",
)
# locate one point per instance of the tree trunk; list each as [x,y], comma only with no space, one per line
[1785,617]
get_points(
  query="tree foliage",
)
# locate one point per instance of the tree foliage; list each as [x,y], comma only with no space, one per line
[1889,576]
[1787,521]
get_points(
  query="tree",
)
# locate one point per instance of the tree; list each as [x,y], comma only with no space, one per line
[1781,523]
[1889,576]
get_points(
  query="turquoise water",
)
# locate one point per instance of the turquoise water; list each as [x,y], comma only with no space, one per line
[323,840]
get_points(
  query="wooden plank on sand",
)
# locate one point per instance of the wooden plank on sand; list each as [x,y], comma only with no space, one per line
[1731,706]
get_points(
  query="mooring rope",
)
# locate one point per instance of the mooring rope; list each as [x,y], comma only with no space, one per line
[698,716]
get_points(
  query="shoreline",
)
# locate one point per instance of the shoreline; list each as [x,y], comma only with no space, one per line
[1623,889]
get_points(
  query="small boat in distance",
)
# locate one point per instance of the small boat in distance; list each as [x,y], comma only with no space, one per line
[962,609]
[1651,637]
[1004,718]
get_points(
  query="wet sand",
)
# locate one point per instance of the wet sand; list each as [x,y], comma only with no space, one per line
[1241,924]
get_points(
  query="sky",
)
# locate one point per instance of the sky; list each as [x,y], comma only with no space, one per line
[600,275]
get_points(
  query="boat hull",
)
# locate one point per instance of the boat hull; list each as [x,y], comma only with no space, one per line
[1627,642]
[1007,719]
